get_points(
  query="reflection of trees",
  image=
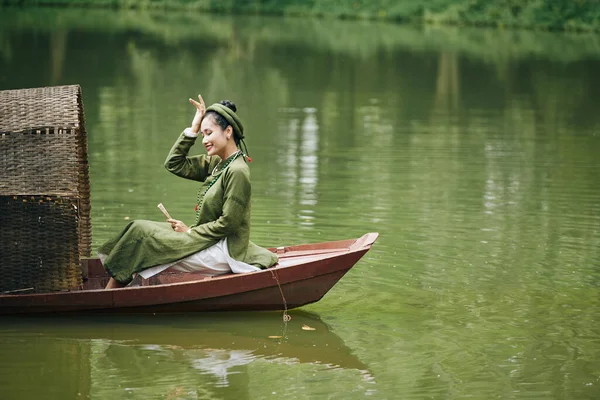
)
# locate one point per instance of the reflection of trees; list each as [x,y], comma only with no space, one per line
[447,84]
[299,144]
[361,88]
[37,367]
[58,46]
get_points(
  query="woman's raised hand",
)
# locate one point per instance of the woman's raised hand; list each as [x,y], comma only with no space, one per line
[200,110]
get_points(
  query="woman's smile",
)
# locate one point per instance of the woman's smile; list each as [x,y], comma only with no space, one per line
[215,139]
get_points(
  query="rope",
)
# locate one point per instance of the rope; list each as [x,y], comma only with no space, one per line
[286,316]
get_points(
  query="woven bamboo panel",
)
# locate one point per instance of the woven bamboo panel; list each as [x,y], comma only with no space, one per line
[38,244]
[39,162]
[43,153]
[24,110]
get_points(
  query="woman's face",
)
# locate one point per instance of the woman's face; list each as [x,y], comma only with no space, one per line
[214,138]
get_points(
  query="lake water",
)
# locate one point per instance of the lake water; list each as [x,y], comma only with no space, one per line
[474,153]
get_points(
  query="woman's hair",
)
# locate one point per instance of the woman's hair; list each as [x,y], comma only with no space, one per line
[222,122]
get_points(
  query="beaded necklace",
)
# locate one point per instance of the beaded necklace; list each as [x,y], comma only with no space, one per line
[201,196]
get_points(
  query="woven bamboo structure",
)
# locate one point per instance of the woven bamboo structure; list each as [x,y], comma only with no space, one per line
[44,189]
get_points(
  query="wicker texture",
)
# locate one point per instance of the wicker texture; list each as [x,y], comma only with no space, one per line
[43,161]
[39,247]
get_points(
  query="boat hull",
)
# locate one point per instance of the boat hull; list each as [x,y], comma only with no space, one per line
[316,270]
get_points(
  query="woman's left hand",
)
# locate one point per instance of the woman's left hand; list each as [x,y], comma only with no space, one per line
[177,225]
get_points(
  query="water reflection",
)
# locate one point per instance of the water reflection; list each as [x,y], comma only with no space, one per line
[185,356]
[297,155]
[473,152]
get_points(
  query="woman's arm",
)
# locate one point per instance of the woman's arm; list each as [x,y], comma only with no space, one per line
[196,167]
[177,162]
[236,202]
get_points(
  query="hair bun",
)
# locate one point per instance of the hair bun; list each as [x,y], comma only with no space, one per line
[229,104]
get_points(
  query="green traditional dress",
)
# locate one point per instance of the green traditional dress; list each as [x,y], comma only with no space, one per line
[223,212]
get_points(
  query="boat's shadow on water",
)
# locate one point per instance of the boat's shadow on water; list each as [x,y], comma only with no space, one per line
[257,335]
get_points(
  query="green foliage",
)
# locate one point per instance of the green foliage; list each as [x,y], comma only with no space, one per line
[576,15]
[546,14]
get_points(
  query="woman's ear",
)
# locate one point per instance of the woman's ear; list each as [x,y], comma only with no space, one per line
[228,132]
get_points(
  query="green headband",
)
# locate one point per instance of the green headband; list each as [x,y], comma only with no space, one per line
[231,117]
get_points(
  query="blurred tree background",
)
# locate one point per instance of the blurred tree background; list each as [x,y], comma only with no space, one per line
[570,15]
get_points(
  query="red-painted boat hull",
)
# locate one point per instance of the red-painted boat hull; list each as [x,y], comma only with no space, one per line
[306,274]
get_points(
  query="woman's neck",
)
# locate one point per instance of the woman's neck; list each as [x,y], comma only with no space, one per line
[229,151]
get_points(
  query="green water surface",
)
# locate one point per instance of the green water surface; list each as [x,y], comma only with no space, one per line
[474,153]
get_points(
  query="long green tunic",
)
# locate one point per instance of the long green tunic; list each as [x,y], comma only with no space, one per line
[225,212]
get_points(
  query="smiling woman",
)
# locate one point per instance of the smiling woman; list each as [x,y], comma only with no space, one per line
[219,240]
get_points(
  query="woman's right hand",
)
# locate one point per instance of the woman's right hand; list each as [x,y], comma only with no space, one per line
[177,225]
[200,110]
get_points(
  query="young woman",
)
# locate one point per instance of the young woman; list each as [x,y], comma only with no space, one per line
[219,240]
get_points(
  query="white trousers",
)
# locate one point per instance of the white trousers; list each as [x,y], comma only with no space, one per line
[212,261]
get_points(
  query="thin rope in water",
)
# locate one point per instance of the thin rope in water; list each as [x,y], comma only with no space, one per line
[286,316]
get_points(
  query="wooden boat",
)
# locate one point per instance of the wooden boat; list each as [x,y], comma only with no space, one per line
[304,274]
